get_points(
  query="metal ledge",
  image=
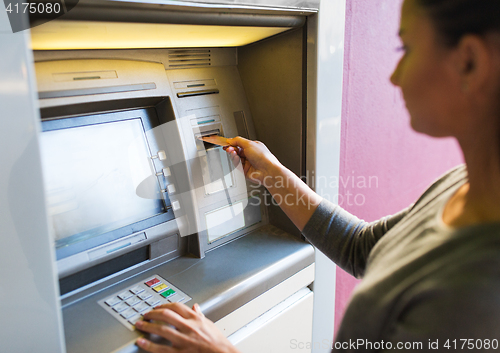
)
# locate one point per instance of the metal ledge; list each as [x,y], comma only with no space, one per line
[199,14]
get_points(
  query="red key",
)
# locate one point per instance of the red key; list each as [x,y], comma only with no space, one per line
[152,282]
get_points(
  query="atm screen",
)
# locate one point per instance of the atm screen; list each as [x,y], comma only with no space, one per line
[92,174]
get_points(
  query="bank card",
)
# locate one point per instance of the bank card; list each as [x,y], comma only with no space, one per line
[215,140]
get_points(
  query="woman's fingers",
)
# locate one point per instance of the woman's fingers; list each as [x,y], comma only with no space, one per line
[164,331]
[239,151]
[153,347]
[169,317]
[246,167]
[238,141]
[181,309]
[202,335]
[235,159]
[197,309]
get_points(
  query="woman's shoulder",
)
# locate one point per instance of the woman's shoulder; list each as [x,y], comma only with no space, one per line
[455,176]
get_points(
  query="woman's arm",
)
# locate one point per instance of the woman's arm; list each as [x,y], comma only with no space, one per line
[294,197]
[346,239]
[342,237]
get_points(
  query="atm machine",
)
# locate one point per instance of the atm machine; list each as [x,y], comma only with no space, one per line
[141,211]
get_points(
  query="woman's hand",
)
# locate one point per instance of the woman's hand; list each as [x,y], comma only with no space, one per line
[187,329]
[257,161]
[294,197]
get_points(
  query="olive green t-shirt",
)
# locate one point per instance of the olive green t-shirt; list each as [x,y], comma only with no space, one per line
[423,282]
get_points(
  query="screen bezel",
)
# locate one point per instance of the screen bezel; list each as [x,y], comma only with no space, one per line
[149,120]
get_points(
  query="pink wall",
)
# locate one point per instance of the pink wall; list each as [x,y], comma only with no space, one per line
[377,140]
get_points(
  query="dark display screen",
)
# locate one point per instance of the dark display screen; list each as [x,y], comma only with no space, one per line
[91,175]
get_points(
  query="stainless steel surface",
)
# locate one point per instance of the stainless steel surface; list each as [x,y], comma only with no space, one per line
[168,57]
[272,74]
[92,91]
[278,7]
[270,256]
[293,4]
[177,12]
[78,262]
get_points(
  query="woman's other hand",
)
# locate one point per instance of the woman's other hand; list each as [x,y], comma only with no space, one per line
[257,161]
[187,329]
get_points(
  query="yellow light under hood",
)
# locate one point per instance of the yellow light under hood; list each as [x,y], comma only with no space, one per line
[57,35]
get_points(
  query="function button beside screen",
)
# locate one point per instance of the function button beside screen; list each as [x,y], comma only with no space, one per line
[113,301]
[160,287]
[171,188]
[152,282]
[120,307]
[137,289]
[128,313]
[125,295]
[153,301]
[145,295]
[162,155]
[132,301]
[166,172]
[168,293]
[176,205]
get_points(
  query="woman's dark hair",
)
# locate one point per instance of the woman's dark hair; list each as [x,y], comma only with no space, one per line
[456,18]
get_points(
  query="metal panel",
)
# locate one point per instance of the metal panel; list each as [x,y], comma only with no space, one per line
[252,310]
[168,57]
[28,281]
[177,12]
[325,76]
[271,72]
[285,328]
[98,90]
[271,257]
[291,4]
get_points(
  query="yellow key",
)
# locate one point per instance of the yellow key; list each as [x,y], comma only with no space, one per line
[160,287]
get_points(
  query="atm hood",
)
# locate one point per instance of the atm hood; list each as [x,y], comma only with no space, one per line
[99,24]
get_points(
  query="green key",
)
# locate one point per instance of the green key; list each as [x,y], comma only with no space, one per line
[168,293]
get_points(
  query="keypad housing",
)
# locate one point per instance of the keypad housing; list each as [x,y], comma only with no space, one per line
[129,305]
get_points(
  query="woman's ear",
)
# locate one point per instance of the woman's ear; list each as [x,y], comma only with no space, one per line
[474,63]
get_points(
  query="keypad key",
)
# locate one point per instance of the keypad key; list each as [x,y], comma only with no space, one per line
[125,295]
[159,288]
[128,313]
[176,298]
[168,293]
[134,319]
[141,307]
[120,307]
[137,289]
[152,282]
[145,295]
[113,301]
[153,301]
[132,301]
